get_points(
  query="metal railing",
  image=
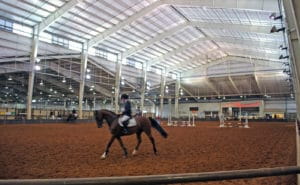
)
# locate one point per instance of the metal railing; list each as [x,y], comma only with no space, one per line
[161,179]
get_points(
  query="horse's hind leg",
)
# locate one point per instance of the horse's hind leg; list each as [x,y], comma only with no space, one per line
[123,146]
[139,139]
[152,141]
[107,147]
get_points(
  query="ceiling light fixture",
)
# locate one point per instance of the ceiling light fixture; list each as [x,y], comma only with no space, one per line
[283,57]
[283,48]
[274,29]
[274,17]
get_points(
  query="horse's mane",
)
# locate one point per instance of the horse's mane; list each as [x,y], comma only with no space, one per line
[109,112]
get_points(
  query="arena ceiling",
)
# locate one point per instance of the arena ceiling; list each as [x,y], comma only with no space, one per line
[217,48]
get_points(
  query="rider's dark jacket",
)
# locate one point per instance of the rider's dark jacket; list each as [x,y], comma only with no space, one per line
[127,109]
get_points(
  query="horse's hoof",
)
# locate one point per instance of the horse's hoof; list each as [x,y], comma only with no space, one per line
[103,156]
[134,152]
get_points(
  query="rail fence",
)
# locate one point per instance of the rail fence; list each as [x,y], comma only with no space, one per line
[161,179]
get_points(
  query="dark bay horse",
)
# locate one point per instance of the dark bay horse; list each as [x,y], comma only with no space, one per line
[143,125]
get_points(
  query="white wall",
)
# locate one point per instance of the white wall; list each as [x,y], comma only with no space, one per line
[272,106]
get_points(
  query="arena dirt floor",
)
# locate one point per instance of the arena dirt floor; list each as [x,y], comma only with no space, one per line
[74,150]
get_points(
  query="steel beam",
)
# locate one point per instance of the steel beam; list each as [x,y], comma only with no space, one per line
[102,36]
[157,38]
[234,85]
[56,15]
[258,5]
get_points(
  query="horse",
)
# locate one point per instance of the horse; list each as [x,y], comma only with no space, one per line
[143,124]
[72,117]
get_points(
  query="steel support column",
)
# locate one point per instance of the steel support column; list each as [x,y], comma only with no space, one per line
[33,57]
[177,88]
[144,86]
[83,66]
[293,17]
[162,91]
[117,82]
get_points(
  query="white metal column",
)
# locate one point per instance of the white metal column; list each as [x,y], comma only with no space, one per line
[117,82]
[162,92]
[33,57]
[144,86]
[293,17]
[83,66]
[177,89]
[94,103]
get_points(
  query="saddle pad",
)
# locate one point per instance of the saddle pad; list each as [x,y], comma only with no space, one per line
[132,123]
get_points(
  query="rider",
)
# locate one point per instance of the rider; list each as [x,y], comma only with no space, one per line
[126,114]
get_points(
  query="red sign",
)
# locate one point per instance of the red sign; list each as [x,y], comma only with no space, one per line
[239,104]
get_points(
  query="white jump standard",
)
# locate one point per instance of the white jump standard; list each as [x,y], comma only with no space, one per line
[228,124]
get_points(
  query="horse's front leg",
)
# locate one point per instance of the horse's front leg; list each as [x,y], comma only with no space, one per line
[107,147]
[123,147]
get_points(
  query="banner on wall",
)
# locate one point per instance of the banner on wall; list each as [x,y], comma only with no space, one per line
[242,104]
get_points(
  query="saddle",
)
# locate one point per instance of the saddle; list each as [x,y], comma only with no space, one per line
[131,122]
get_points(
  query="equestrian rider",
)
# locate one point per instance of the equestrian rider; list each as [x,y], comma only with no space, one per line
[126,114]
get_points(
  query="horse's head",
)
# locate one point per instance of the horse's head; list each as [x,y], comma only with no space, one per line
[106,115]
[99,118]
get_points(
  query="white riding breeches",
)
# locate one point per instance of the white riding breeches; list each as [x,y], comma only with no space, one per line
[123,118]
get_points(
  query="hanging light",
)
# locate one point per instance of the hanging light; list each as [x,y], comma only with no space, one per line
[37,67]
[88,76]
[9,78]
[274,29]
[91,89]
[70,87]
[282,48]
[94,93]
[274,17]
[88,70]
[63,80]
[37,60]
[51,89]
[41,83]
[283,57]
[92,86]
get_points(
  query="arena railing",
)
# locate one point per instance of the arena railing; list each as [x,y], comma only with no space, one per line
[161,179]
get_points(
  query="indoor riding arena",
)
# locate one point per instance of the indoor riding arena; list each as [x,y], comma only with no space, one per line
[146,92]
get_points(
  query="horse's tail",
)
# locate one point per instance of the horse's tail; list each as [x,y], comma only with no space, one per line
[156,125]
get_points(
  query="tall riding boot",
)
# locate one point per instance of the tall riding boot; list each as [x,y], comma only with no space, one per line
[125,127]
